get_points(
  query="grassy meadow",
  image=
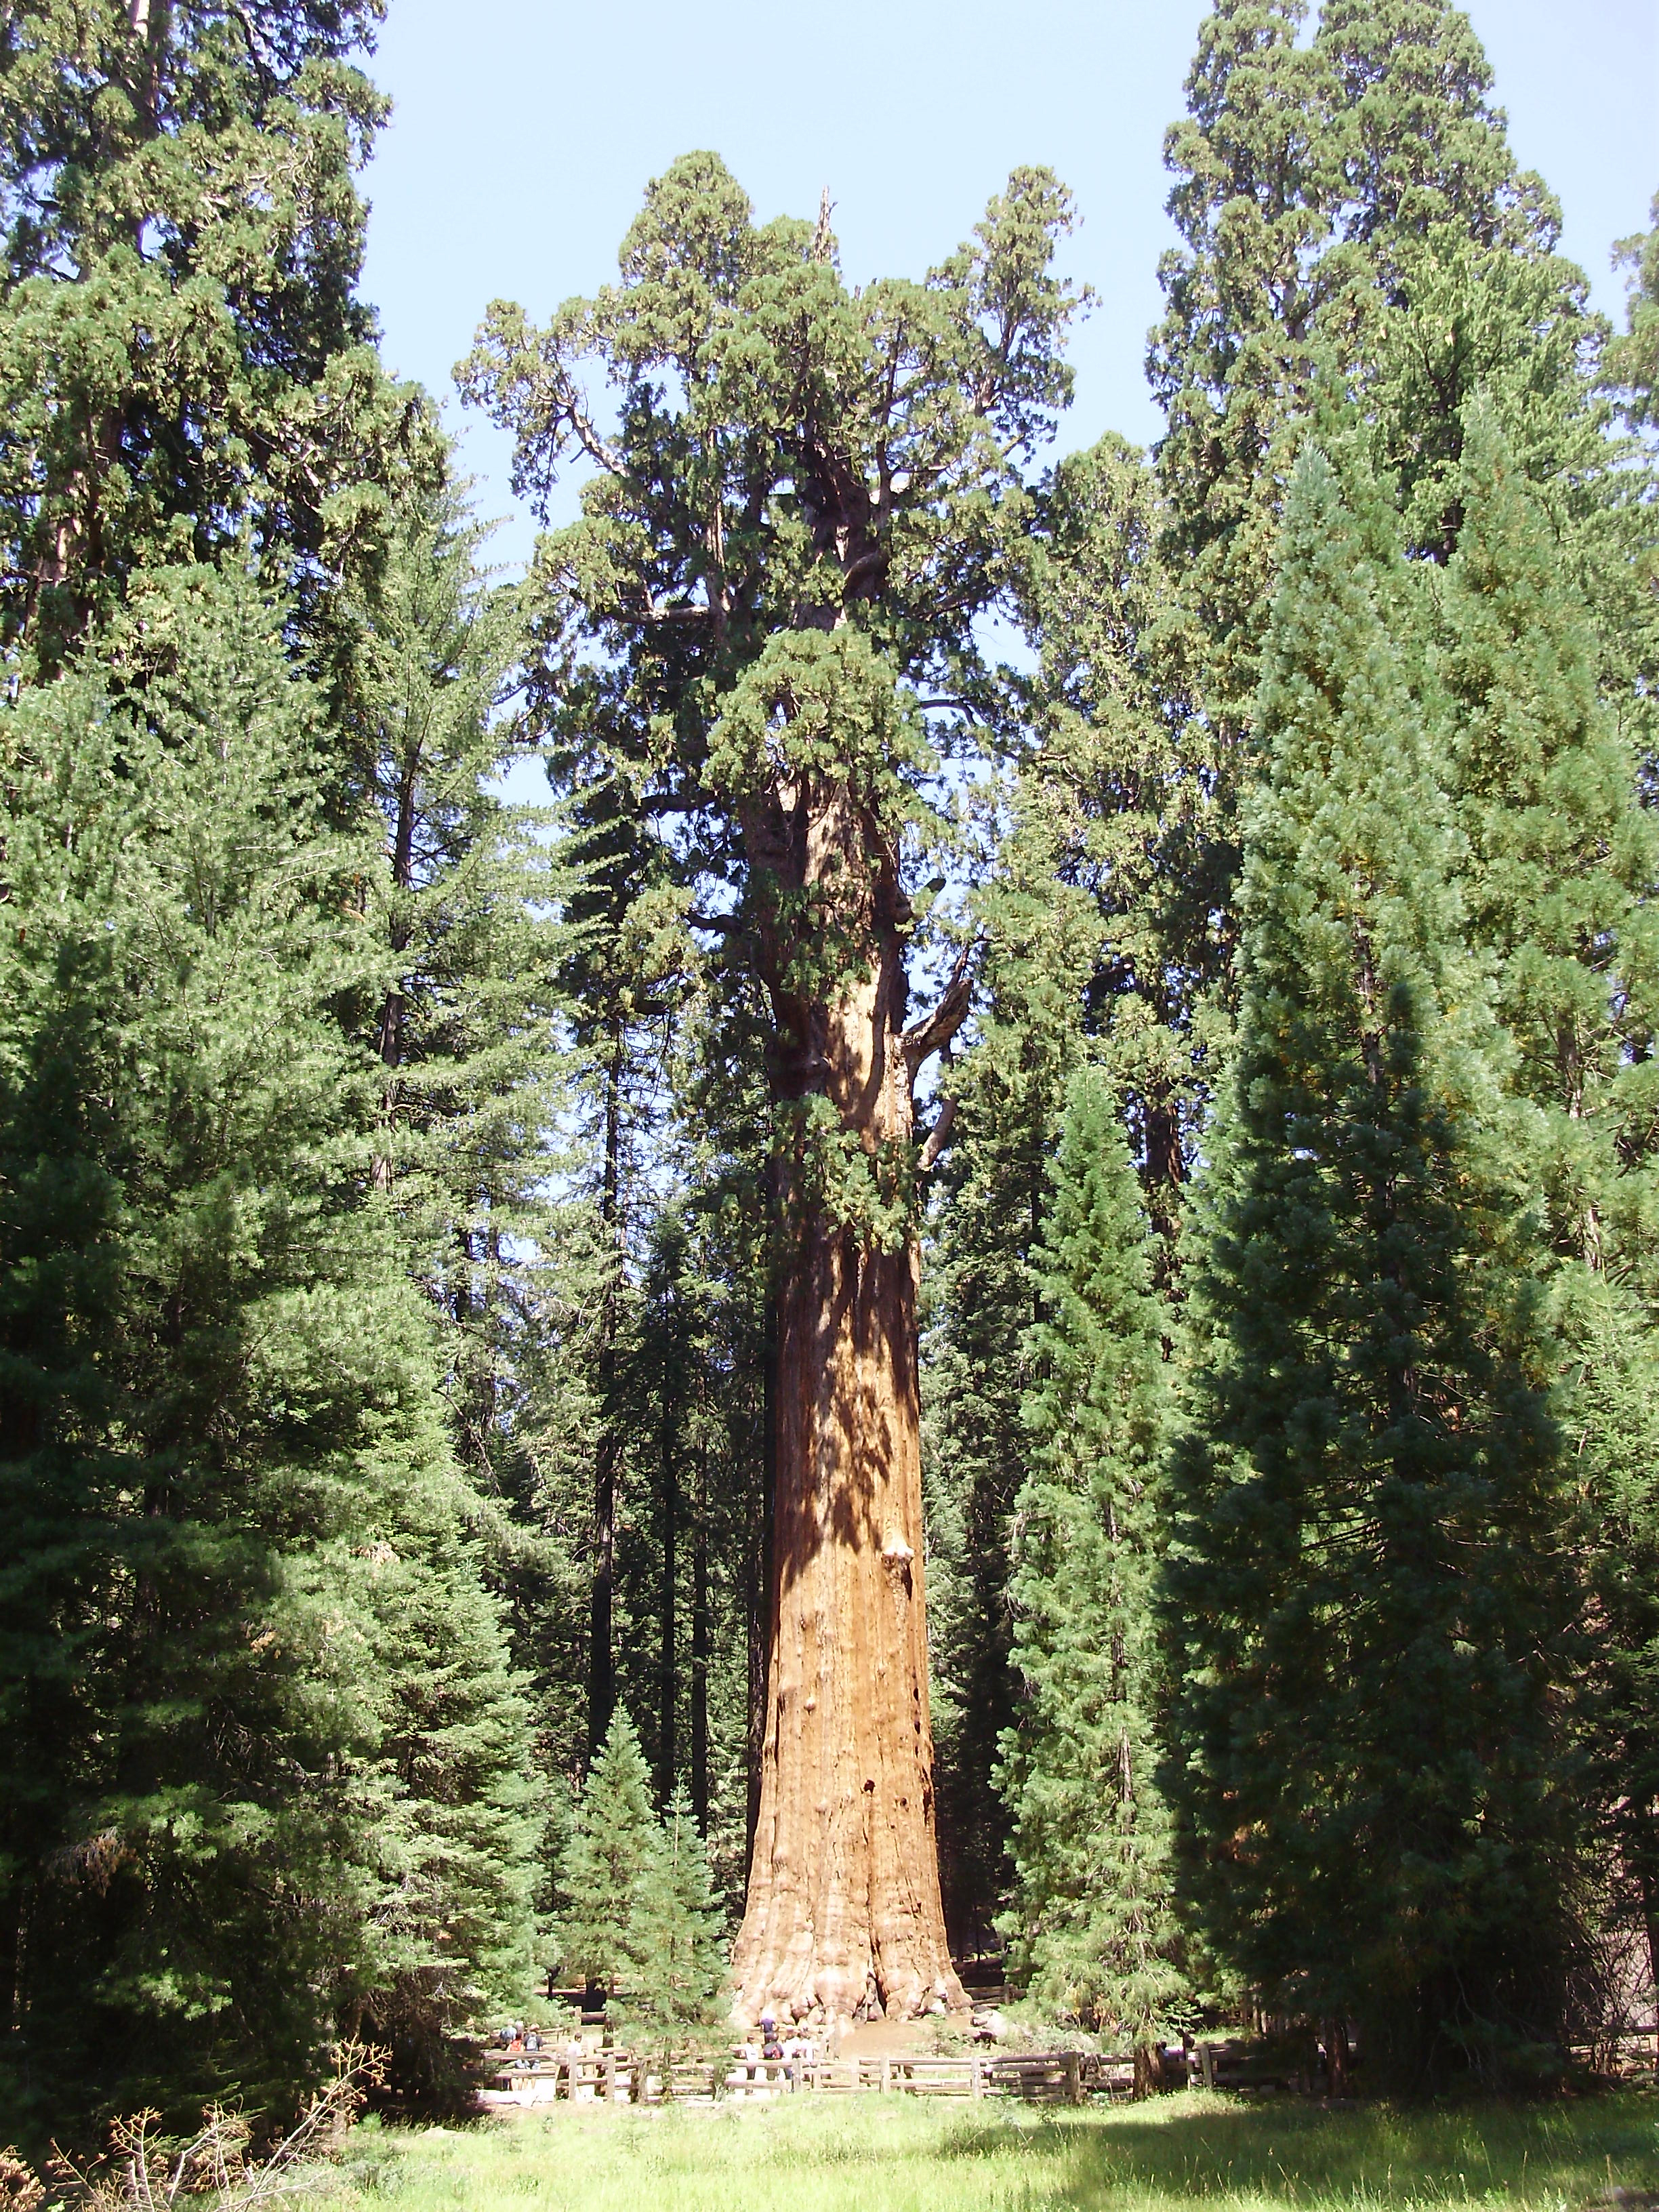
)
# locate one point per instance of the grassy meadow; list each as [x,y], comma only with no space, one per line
[1182,2154]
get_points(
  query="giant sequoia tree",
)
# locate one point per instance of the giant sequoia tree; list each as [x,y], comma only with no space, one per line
[789,534]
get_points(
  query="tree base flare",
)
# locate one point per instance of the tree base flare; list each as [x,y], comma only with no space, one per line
[844,1919]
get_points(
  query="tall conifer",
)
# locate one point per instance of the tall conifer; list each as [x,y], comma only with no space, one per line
[1092,1925]
[1366,1588]
[675,1933]
[613,1840]
[1008,1095]
[258,1733]
[183,355]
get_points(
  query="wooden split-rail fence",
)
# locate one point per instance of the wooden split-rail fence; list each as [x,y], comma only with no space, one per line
[614,2077]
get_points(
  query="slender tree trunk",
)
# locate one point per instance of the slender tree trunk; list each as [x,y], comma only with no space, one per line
[668,1680]
[601,1655]
[11,1954]
[844,1912]
[699,1641]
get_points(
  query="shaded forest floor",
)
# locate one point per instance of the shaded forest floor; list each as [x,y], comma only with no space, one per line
[893,2154]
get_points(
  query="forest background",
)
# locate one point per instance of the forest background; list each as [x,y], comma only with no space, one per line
[386,1220]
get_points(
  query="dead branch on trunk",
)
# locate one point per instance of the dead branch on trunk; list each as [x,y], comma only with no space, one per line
[938,1137]
[924,1039]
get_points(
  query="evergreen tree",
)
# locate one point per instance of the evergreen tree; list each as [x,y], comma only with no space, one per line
[183,358]
[726,1440]
[1313,177]
[1121,757]
[1348,208]
[1560,856]
[780,564]
[458,1858]
[674,1934]
[1008,1095]
[1560,861]
[1257,170]
[1092,1926]
[1366,1590]
[235,1790]
[612,1841]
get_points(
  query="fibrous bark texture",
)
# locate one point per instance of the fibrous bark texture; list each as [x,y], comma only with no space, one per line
[844,1914]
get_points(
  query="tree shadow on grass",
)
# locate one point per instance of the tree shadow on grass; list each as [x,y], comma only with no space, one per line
[1192,2150]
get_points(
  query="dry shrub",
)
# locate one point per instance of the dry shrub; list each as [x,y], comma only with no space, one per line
[143,2171]
[21,2189]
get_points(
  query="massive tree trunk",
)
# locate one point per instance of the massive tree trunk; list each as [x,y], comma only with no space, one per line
[844,1914]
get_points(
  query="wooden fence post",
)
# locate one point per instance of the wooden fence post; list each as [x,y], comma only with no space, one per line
[610,2077]
[886,2074]
[976,2085]
[1074,2078]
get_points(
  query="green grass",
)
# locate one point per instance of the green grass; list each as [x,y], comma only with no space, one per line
[1182,2153]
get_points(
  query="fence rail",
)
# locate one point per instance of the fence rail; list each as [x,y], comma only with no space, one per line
[620,2076]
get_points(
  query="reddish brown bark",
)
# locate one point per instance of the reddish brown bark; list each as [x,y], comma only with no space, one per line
[844,1912]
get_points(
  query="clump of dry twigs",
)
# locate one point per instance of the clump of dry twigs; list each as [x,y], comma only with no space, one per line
[21,2188]
[143,2171]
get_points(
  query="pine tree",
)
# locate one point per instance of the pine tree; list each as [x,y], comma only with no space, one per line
[1560,859]
[1366,1591]
[1348,209]
[1258,175]
[458,1855]
[255,1701]
[1008,1095]
[1317,183]
[612,1841]
[1121,764]
[239,1530]
[1560,855]
[674,1934]
[1092,1927]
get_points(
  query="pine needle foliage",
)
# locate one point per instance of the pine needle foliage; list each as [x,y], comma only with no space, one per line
[674,1934]
[1092,1927]
[1009,1094]
[1365,1591]
[612,1842]
[1559,855]
[257,1730]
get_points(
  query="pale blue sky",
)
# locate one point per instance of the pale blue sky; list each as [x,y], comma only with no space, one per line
[524,134]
